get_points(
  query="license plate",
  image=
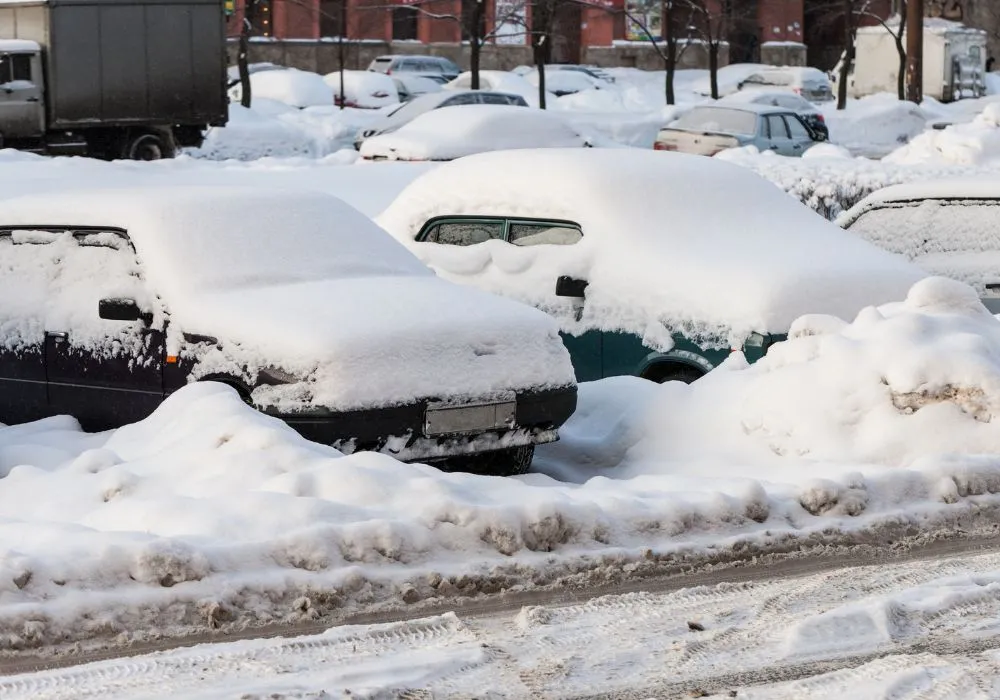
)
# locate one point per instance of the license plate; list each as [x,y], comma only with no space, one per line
[469,418]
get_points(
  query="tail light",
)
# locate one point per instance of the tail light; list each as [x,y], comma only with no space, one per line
[821,118]
[660,146]
[797,91]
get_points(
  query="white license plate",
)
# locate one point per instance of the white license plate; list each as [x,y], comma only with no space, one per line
[469,418]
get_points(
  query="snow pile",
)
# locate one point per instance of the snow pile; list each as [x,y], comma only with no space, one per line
[992,83]
[646,277]
[974,143]
[364,89]
[875,126]
[452,132]
[501,81]
[901,384]
[291,86]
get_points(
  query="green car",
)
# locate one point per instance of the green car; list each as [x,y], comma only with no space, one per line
[656,265]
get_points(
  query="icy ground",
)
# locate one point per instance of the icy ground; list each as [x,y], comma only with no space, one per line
[903,631]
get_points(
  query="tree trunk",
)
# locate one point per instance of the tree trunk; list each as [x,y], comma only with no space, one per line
[671,70]
[845,68]
[476,43]
[242,57]
[713,67]
[901,50]
[340,50]
[541,84]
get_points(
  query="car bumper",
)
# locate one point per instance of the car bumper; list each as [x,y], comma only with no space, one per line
[400,431]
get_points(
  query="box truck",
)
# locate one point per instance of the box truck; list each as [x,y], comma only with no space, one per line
[954,61]
[111,78]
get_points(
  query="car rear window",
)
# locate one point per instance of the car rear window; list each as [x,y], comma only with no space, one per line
[932,226]
[726,121]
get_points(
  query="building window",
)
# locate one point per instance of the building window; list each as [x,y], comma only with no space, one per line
[330,14]
[404,23]
[263,24]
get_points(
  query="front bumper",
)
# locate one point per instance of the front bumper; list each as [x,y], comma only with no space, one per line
[400,430]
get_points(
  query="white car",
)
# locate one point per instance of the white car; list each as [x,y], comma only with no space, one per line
[947,227]
[500,81]
[363,89]
[654,264]
[112,299]
[454,132]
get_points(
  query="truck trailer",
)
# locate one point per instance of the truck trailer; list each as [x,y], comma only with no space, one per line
[111,78]
[954,62]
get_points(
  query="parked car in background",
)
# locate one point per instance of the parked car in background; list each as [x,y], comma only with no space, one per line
[296,88]
[565,82]
[420,65]
[113,299]
[409,111]
[591,71]
[947,227]
[455,132]
[809,83]
[707,130]
[410,86]
[233,72]
[499,81]
[363,89]
[811,116]
[719,259]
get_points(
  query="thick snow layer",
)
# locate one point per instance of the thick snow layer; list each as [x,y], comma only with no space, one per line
[974,143]
[291,86]
[452,132]
[729,78]
[299,281]
[565,81]
[663,269]
[364,89]
[19,45]
[502,81]
[875,126]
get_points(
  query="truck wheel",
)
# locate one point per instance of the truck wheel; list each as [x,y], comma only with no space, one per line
[507,462]
[149,145]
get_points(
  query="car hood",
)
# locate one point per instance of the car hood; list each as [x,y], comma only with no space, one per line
[381,341]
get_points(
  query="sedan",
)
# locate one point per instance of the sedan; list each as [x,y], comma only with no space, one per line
[711,129]
[114,299]
[810,115]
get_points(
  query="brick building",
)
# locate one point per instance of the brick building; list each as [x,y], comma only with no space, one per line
[579,25]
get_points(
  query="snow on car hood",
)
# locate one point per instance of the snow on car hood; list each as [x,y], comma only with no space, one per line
[383,340]
[670,243]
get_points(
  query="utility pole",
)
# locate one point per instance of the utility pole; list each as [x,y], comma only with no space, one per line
[915,51]
[340,50]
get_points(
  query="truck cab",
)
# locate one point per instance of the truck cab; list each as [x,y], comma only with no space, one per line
[22,111]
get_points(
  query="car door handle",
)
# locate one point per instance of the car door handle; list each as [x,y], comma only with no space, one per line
[58,336]
[32,99]
[993,286]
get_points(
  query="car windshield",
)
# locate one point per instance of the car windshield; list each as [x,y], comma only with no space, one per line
[719,119]
[933,226]
[417,106]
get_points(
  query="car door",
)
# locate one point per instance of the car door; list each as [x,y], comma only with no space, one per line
[104,369]
[21,114]
[800,135]
[779,137]
[24,280]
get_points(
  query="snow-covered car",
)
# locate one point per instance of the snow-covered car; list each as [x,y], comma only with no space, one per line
[113,299]
[419,65]
[707,130]
[592,71]
[811,83]
[656,265]
[293,87]
[409,111]
[949,228]
[728,77]
[811,116]
[233,72]
[565,82]
[363,89]
[454,132]
[412,86]
[500,81]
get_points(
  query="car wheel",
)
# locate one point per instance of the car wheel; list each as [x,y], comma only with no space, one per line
[149,145]
[507,462]
[672,372]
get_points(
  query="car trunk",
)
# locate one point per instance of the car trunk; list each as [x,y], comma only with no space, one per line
[702,143]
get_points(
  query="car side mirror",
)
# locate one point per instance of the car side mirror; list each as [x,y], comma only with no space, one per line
[571,287]
[119,310]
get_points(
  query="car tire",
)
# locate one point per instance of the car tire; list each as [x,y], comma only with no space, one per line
[511,461]
[673,372]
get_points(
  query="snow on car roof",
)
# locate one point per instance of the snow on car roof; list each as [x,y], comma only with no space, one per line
[740,106]
[194,239]
[669,241]
[952,188]
[18,44]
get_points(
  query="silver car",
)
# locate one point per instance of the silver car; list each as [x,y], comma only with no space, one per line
[409,111]
[710,129]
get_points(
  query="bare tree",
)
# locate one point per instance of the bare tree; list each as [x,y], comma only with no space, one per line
[242,55]
[712,22]
[676,24]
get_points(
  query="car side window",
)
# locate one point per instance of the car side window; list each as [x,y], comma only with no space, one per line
[528,233]
[777,127]
[764,129]
[469,98]
[464,232]
[490,99]
[797,129]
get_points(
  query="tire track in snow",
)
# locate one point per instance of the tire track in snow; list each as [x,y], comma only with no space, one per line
[188,670]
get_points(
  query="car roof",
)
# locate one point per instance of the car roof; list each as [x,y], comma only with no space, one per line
[960,188]
[745,107]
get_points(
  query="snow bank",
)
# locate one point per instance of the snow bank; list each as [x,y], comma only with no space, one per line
[974,143]
[291,86]
[875,126]
[452,132]
[661,272]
